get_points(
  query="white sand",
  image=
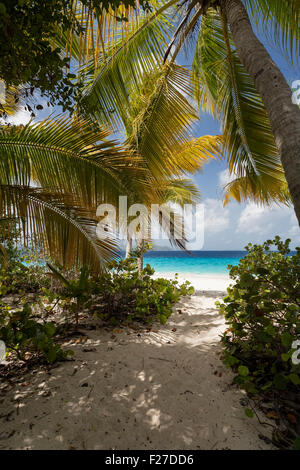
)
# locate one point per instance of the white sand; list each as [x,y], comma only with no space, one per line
[164,389]
[201,282]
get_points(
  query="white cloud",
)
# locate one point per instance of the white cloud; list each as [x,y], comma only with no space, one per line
[216,217]
[266,222]
[21,117]
[294,232]
[251,219]
[234,226]
[225,177]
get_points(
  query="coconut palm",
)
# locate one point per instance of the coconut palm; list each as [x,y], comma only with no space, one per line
[237,81]
[157,122]
[236,75]
[275,93]
[53,175]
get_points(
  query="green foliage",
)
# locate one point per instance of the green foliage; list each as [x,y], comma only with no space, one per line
[249,413]
[28,31]
[78,289]
[127,295]
[23,273]
[122,294]
[22,333]
[47,191]
[296,445]
[224,88]
[29,51]
[262,313]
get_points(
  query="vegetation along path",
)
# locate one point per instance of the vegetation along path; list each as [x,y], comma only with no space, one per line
[135,389]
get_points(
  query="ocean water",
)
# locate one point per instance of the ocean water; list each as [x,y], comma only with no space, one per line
[198,262]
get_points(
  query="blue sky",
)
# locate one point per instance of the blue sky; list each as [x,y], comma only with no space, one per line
[232,227]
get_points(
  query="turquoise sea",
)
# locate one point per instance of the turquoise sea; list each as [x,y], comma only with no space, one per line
[198,262]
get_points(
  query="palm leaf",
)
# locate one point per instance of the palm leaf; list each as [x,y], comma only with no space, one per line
[73,156]
[280,22]
[57,224]
[53,176]
[225,89]
[192,154]
[161,122]
[263,189]
[125,61]
[181,191]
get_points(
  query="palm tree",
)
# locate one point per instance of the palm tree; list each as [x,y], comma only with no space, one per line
[237,82]
[157,121]
[53,175]
[274,91]
[178,192]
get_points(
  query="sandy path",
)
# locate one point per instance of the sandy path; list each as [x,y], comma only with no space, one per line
[157,390]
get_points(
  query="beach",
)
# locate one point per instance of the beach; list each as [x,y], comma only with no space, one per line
[201,282]
[149,235]
[164,387]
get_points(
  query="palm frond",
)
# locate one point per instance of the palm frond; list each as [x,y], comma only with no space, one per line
[263,189]
[280,21]
[74,156]
[181,191]
[161,124]
[57,224]
[194,153]
[53,175]
[225,89]
[124,62]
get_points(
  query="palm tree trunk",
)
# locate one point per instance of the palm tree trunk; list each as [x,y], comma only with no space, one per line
[128,246]
[140,260]
[275,93]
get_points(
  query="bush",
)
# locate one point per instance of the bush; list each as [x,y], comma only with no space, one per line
[122,294]
[23,273]
[262,313]
[22,333]
[128,295]
[75,294]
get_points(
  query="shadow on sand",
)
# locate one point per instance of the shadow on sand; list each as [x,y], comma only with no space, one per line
[166,389]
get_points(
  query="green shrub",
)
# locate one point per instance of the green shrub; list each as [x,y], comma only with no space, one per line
[122,294]
[78,289]
[23,273]
[128,295]
[22,333]
[262,311]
